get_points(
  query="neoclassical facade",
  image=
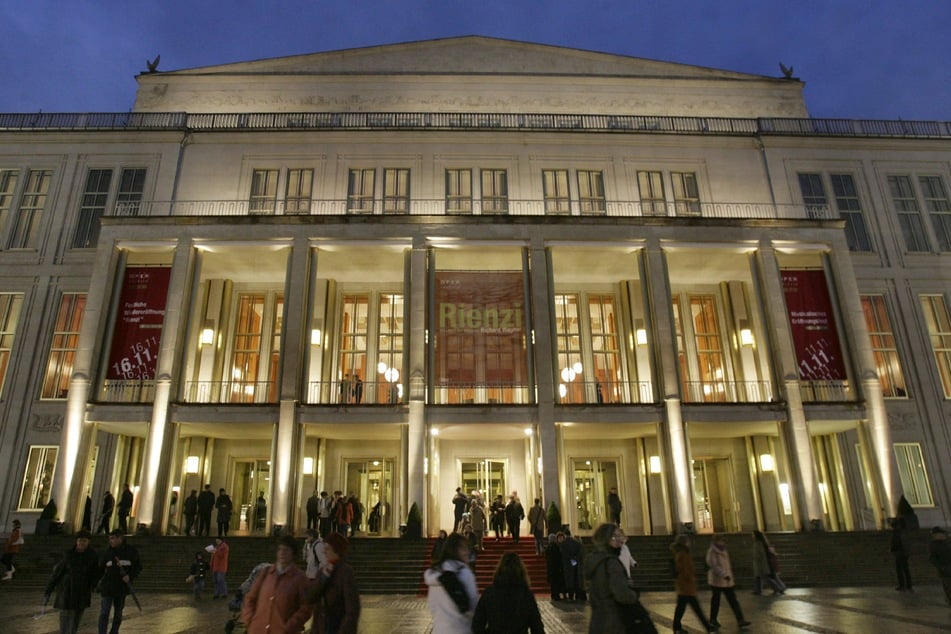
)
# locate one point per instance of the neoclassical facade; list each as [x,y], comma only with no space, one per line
[398,270]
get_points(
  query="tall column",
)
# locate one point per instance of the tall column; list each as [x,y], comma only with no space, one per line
[155,468]
[69,473]
[542,287]
[416,432]
[663,340]
[795,428]
[876,426]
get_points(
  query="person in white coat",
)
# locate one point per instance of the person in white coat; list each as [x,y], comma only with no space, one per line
[448,616]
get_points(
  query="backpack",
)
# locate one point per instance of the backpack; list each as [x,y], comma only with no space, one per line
[456,591]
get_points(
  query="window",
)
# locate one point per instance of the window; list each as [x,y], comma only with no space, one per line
[555,190]
[390,349]
[686,193]
[459,191]
[939,328]
[651,185]
[354,330]
[91,208]
[914,477]
[38,478]
[909,215]
[257,323]
[850,210]
[8,185]
[59,367]
[395,191]
[883,346]
[604,346]
[10,304]
[568,329]
[300,183]
[591,192]
[26,222]
[703,357]
[813,195]
[131,190]
[495,191]
[936,201]
[360,191]
[263,192]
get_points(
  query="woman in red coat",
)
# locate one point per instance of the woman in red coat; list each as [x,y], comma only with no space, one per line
[277,602]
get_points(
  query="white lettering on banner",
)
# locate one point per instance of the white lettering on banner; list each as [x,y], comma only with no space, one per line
[465,316]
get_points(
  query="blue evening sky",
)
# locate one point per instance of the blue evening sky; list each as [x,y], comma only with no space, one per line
[859,58]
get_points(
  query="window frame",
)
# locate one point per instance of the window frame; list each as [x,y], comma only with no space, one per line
[396,190]
[30,485]
[907,208]
[11,305]
[63,346]
[494,190]
[651,192]
[857,235]
[937,317]
[884,346]
[903,457]
[361,186]
[298,194]
[26,220]
[459,190]
[556,192]
[686,191]
[591,195]
[262,200]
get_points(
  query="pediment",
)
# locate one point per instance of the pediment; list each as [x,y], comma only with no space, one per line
[466,55]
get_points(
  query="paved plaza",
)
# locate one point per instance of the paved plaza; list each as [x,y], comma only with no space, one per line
[821,610]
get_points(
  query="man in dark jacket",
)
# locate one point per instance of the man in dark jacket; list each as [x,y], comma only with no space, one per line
[191,510]
[119,565]
[224,506]
[74,579]
[514,514]
[124,509]
[206,502]
[105,516]
[313,509]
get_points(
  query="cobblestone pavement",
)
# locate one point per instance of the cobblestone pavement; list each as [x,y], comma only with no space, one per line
[817,610]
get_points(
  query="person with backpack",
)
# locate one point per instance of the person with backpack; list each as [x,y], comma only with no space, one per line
[765,565]
[685,584]
[452,593]
[334,592]
[314,553]
[508,605]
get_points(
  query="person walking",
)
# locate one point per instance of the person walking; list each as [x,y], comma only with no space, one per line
[73,580]
[260,512]
[124,509]
[225,506]
[196,574]
[478,523]
[313,510]
[514,514]
[765,565]
[572,563]
[497,515]
[554,572]
[607,583]
[452,612]
[315,553]
[721,580]
[460,504]
[324,513]
[536,524]
[119,566]
[614,506]
[901,551]
[206,503]
[508,605]
[335,593]
[685,583]
[939,554]
[105,515]
[344,515]
[10,549]
[219,567]
[277,601]
[190,509]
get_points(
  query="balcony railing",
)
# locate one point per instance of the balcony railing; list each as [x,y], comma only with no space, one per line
[474,207]
[604,393]
[542,122]
[237,392]
[727,392]
[350,393]
[826,391]
[127,391]
[482,394]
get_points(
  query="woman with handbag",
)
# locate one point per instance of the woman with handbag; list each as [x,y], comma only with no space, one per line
[615,607]
[11,548]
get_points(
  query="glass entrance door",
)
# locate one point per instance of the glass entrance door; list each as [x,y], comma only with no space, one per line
[714,502]
[592,481]
[487,475]
[251,481]
[371,481]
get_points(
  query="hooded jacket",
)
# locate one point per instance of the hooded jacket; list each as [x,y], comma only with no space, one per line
[607,586]
[685,583]
[447,619]
[720,574]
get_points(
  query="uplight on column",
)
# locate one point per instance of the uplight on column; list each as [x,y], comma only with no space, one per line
[207,334]
[191,464]
[766,463]
[308,466]
[654,463]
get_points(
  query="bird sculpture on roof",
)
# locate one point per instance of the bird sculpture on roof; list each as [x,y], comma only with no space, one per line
[153,65]
[787,71]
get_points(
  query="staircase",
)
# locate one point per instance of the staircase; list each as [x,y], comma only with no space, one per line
[395,566]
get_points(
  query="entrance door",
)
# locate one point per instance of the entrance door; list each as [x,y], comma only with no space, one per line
[252,479]
[372,482]
[592,481]
[714,502]
[487,475]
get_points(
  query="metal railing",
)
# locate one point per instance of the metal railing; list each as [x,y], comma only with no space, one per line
[237,392]
[482,394]
[631,124]
[727,392]
[439,207]
[604,392]
[826,391]
[127,391]
[351,393]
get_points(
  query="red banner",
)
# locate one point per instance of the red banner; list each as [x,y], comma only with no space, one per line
[813,325]
[138,328]
[480,328]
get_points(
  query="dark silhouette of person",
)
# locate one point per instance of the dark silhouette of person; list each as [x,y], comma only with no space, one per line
[224,505]
[614,505]
[124,509]
[206,502]
[191,510]
[459,505]
[260,511]
[357,388]
[105,515]
[313,509]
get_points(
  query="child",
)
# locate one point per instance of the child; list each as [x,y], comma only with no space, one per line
[197,574]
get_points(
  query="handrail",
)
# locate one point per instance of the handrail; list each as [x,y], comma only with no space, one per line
[617,123]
